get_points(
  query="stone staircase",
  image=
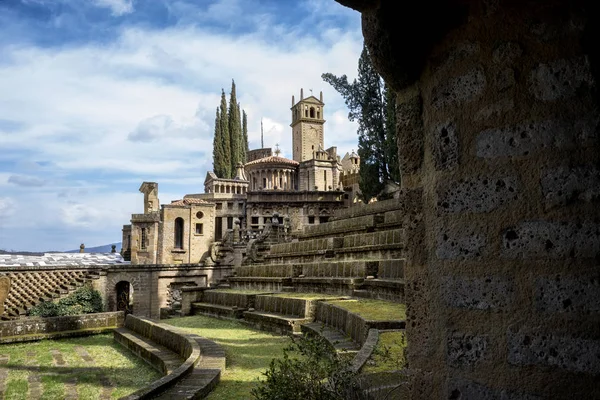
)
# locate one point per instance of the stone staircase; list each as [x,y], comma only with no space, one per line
[28,288]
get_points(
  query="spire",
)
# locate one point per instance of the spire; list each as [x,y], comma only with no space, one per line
[301,94]
[262,142]
[277,151]
[321,96]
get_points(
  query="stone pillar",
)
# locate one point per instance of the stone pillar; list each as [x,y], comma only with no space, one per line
[498,137]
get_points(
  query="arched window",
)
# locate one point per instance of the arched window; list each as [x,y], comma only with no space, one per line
[144,239]
[179,233]
[312,112]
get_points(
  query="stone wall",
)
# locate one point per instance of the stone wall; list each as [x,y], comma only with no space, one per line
[36,328]
[498,136]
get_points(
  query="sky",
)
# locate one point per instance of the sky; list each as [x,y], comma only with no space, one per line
[97,96]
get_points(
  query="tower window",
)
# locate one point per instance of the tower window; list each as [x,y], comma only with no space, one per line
[178,233]
[199,229]
[144,239]
[312,112]
[306,113]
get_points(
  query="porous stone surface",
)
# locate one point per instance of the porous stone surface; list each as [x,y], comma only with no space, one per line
[463,246]
[568,294]
[546,348]
[480,194]
[477,293]
[560,78]
[564,185]
[504,79]
[551,239]
[496,109]
[507,52]
[464,389]
[460,89]
[465,349]
[525,139]
[409,128]
[445,146]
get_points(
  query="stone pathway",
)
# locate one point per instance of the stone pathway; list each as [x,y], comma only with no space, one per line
[107,385]
[4,358]
[71,382]
[33,379]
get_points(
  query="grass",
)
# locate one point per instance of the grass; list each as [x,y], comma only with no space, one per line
[388,354]
[373,310]
[126,372]
[248,352]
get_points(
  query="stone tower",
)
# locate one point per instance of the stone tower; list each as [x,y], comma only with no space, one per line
[307,126]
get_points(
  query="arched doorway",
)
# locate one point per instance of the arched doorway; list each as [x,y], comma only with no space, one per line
[125,297]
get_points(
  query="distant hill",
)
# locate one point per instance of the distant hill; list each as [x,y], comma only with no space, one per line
[99,249]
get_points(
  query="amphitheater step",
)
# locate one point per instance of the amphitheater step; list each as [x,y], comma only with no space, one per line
[283,324]
[217,310]
[204,377]
[339,341]
[159,357]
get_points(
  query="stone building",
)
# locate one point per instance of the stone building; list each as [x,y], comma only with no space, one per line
[498,137]
[302,191]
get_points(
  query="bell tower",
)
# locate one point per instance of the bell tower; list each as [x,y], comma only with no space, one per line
[307,126]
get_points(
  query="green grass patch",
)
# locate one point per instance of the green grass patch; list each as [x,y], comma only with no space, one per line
[248,352]
[373,310]
[388,354]
[307,296]
[125,371]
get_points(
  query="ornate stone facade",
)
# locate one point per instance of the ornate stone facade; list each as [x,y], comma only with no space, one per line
[303,191]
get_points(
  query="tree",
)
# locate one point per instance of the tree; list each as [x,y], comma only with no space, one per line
[220,159]
[225,138]
[235,131]
[245,136]
[309,370]
[371,105]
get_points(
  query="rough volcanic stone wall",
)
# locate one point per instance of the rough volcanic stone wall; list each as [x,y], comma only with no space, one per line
[498,130]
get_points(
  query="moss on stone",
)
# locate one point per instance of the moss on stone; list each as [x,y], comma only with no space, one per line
[373,310]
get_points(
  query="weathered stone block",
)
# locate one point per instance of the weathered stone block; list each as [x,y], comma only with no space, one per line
[504,79]
[561,186]
[409,128]
[560,78]
[559,293]
[524,139]
[459,90]
[458,52]
[545,348]
[546,239]
[477,293]
[507,52]
[464,389]
[495,110]
[465,349]
[445,146]
[481,194]
[452,246]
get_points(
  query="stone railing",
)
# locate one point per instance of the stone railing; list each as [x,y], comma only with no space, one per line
[361,210]
[37,328]
[350,323]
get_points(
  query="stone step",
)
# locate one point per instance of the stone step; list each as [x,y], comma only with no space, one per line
[338,340]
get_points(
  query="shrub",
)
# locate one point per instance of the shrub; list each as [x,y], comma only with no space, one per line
[309,370]
[84,300]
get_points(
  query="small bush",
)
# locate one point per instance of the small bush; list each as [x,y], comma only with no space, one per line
[84,300]
[309,370]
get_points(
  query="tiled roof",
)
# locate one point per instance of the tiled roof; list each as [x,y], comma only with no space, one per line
[15,260]
[188,201]
[273,160]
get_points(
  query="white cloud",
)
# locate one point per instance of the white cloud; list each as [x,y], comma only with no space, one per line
[142,107]
[7,207]
[117,7]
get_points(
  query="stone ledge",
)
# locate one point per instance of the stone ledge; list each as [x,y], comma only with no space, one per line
[272,321]
[218,310]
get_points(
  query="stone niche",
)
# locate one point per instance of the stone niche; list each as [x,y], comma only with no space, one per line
[498,137]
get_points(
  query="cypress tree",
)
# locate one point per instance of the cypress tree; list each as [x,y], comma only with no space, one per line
[391,144]
[367,105]
[225,138]
[219,158]
[235,131]
[245,136]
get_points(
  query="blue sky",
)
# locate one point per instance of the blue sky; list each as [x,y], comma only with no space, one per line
[97,96]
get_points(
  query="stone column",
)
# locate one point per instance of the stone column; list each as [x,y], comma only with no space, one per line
[499,144]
